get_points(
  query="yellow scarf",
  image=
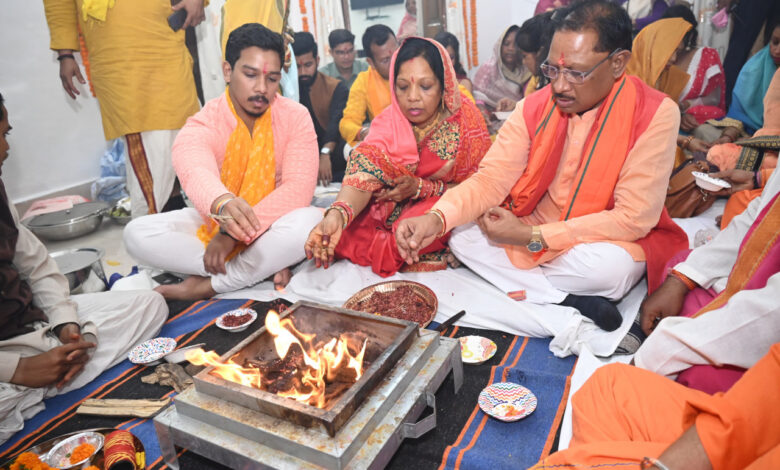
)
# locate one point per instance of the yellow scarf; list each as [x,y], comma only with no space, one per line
[97,9]
[249,167]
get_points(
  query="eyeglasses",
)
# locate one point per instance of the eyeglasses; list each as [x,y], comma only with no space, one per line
[572,76]
[344,52]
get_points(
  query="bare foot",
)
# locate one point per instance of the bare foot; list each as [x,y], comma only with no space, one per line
[192,288]
[452,261]
[282,278]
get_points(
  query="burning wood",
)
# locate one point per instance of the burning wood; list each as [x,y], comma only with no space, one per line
[305,369]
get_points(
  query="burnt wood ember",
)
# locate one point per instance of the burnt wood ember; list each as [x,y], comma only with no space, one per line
[402,303]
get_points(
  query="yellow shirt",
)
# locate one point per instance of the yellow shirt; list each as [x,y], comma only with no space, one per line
[358,108]
[140,69]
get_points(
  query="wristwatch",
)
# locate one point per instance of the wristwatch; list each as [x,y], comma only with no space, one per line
[535,245]
[324,151]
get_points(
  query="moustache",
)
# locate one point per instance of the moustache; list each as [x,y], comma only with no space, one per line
[559,96]
[306,79]
[259,98]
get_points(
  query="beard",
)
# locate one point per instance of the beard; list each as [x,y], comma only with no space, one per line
[305,80]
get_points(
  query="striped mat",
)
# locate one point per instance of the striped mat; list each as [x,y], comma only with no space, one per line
[464,436]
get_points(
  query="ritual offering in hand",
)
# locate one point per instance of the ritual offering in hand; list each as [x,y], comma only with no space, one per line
[507,401]
[236,320]
[404,300]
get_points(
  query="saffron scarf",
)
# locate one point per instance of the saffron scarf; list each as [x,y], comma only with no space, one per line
[758,259]
[378,91]
[651,51]
[617,126]
[602,165]
[249,167]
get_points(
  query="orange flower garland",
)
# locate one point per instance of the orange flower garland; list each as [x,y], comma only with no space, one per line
[474,52]
[302,6]
[85,60]
[466,35]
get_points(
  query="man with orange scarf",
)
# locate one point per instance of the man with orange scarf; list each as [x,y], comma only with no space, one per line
[568,202]
[370,93]
[248,162]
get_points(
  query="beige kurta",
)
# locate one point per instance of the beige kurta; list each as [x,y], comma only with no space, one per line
[115,321]
[140,69]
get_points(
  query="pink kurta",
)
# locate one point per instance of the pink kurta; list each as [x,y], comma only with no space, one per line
[199,151]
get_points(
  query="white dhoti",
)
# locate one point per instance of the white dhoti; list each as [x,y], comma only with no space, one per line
[598,269]
[168,241]
[149,168]
[123,320]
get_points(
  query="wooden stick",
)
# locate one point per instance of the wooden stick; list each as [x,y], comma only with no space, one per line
[120,407]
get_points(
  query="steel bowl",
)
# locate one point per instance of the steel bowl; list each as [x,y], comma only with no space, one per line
[77,264]
[79,220]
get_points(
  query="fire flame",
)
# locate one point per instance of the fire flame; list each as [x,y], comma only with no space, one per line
[321,363]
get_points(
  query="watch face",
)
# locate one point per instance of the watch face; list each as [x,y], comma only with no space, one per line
[325,151]
[535,246]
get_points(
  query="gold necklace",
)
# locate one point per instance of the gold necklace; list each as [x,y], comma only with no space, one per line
[421,132]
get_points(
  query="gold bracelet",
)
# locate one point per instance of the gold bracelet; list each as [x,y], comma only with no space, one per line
[344,216]
[439,214]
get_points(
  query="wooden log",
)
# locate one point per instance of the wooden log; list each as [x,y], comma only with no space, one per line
[120,407]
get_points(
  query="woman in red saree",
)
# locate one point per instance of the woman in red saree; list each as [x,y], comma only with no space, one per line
[429,139]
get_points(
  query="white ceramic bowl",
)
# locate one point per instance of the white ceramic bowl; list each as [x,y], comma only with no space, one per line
[150,352]
[708,183]
[59,455]
[236,313]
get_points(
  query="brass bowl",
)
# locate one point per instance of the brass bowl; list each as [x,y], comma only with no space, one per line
[425,293]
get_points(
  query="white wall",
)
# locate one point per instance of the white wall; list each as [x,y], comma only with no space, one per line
[56,143]
[493,17]
[393,15]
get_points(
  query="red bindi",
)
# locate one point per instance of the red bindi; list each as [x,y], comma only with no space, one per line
[560,61]
[265,69]
[412,80]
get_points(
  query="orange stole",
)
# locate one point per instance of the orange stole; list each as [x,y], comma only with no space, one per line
[249,167]
[761,240]
[621,119]
[378,91]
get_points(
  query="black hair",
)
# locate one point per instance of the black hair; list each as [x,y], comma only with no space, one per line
[416,47]
[684,12]
[340,36]
[534,37]
[609,20]
[449,40]
[771,24]
[377,35]
[510,30]
[303,43]
[252,35]
[1,106]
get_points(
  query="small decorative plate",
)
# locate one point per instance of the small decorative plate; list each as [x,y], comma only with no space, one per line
[707,182]
[149,352]
[476,349]
[59,455]
[507,401]
[225,318]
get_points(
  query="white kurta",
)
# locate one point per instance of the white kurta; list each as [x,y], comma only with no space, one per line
[169,241]
[116,321]
[740,332]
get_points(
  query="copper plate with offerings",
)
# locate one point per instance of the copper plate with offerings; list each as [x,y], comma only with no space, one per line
[404,300]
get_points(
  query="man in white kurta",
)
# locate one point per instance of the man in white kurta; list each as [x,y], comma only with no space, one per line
[740,332]
[51,342]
